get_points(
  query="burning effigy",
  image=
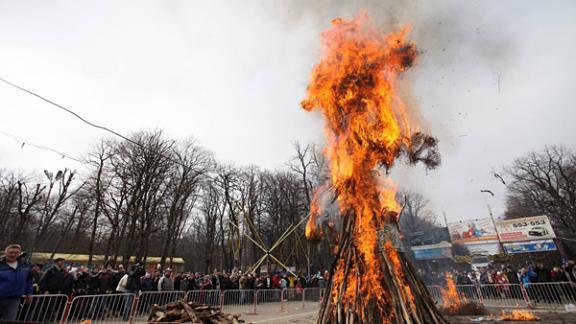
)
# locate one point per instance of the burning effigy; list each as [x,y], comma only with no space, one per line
[368,127]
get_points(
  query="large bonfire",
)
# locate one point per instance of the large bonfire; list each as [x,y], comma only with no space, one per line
[368,127]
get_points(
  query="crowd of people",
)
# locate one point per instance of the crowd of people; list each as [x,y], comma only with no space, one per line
[79,280]
[504,274]
[20,278]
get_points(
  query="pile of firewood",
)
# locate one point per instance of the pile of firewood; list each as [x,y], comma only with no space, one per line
[183,312]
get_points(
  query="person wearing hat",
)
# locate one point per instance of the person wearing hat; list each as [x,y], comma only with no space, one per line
[52,281]
[15,282]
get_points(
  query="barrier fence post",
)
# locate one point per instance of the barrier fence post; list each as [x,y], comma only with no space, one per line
[222,294]
[282,295]
[525,295]
[134,309]
[479,292]
[66,310]
[255,301]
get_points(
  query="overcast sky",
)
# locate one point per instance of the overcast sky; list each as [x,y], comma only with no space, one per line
[496,79]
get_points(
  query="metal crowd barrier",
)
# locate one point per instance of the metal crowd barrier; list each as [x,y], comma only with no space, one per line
[552,295]
[147,299]
[503,295]
[469,293]
[293,297]
[136,307]
[436,293]
[270,299]
[43,309]
[208,297]
[101,308]
[312,297]
[239,301]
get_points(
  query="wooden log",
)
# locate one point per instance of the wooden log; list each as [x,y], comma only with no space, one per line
[407,300]
[182,312]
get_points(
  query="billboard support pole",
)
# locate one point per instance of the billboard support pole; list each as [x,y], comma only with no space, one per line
[562,250]
[496,229]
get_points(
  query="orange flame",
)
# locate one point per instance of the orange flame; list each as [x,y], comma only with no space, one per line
[519,315]
[354,87]
[313,231]
[452,301]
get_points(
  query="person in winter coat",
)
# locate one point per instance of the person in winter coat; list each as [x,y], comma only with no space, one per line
[36,275]
[130,284]
[177,281]
[15,281]
[52,281]
[69,280]
[558,275]
[134,275]
[148,283]
[116,276]
[543,273]
[106,281]
[82,283]
[165,283]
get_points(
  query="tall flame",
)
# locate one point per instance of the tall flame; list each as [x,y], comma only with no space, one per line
[367,125]
[452,301]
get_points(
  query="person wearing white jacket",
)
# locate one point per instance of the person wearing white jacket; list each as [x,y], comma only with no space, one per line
[121,288]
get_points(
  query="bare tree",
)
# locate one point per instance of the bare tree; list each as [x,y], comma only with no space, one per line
[144,169]
[189,170]
[10,192]
[99,157]
[301,164]
[212,209]
[66,225]
[58,193]
[156,196]
[416,215]
[544,183]
[227,181]
[28,200]
[310,164]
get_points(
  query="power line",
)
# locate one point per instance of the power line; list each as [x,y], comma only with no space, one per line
[68,110]
[73,113]
[25,142]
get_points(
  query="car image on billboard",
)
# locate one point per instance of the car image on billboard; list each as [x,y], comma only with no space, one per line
[538,231]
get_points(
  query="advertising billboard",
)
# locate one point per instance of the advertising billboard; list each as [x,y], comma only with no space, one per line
[525,229]
[430,236]
[472,231]
[484,248]
[530,246]
[434,251]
